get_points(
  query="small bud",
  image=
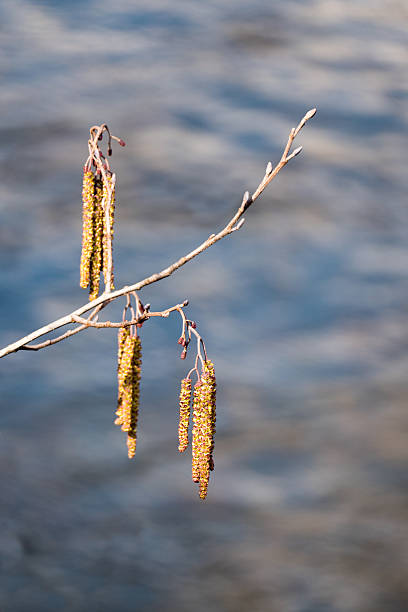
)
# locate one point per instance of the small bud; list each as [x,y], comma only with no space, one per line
[310,113]
[268,168]
[109,151]
[122,142]
[183,354]
[181,341]
[139,325]
[100,136]
[193,324]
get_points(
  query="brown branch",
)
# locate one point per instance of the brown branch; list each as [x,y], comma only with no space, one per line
[68,334]
[103,300]
[127,323]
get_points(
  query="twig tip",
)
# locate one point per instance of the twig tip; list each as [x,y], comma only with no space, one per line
[311,113]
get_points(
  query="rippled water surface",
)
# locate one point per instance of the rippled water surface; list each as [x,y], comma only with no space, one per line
[304,311]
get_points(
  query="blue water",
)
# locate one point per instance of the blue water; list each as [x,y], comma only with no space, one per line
[303,311]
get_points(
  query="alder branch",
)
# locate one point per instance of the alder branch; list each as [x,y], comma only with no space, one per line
[68,334]
[128,322]
[108,296]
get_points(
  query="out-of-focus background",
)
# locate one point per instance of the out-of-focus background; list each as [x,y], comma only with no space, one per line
[304,311]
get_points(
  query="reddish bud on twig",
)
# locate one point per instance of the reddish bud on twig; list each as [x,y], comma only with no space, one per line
[193,324]
[181,341]
[122,142]
[183,354]
[100,136]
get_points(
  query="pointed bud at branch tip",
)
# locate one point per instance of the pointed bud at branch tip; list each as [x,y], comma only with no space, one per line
[310,114]
[122,142]
[246,197]
[268,168]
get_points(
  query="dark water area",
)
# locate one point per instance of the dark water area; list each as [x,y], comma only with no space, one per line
[304,311]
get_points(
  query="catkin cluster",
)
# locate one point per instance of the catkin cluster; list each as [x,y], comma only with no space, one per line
[129,371]
[97,232]
[204,417]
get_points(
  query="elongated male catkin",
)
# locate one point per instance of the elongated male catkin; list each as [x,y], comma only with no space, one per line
[195,442]
[123,333]
[184,414]
[129,374]
[207,426]
[96,257]
[134,412]
[88,205]
[107,251]
[209,372]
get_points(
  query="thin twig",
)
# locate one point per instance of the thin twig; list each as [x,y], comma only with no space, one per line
[68,334]
[126,323]
[233,225]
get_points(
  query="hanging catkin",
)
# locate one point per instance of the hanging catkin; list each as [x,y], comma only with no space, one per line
[207,426]
[129,373]
[134,411]
[88,205]
[122,335]
[196,434]
[184,413]
[108,188]
[96,258]
[210,373]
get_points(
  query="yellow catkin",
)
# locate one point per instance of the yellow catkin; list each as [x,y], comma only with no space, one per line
[206,426]
[205,437]
[88,204]
[123,333]
[125,379]
[129,374]
[107,253]
[210,373]
[96,259]
[184,414]
[195,442]
[134,412]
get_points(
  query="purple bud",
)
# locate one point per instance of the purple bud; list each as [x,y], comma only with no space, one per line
[122,143]
[193,324]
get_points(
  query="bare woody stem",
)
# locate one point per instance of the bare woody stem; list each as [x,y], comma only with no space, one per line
[127,322]
[108,296]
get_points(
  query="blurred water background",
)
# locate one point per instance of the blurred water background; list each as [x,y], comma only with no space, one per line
[304,311]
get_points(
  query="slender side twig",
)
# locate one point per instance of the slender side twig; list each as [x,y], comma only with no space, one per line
[232,226]
[127,322]
[71,332]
